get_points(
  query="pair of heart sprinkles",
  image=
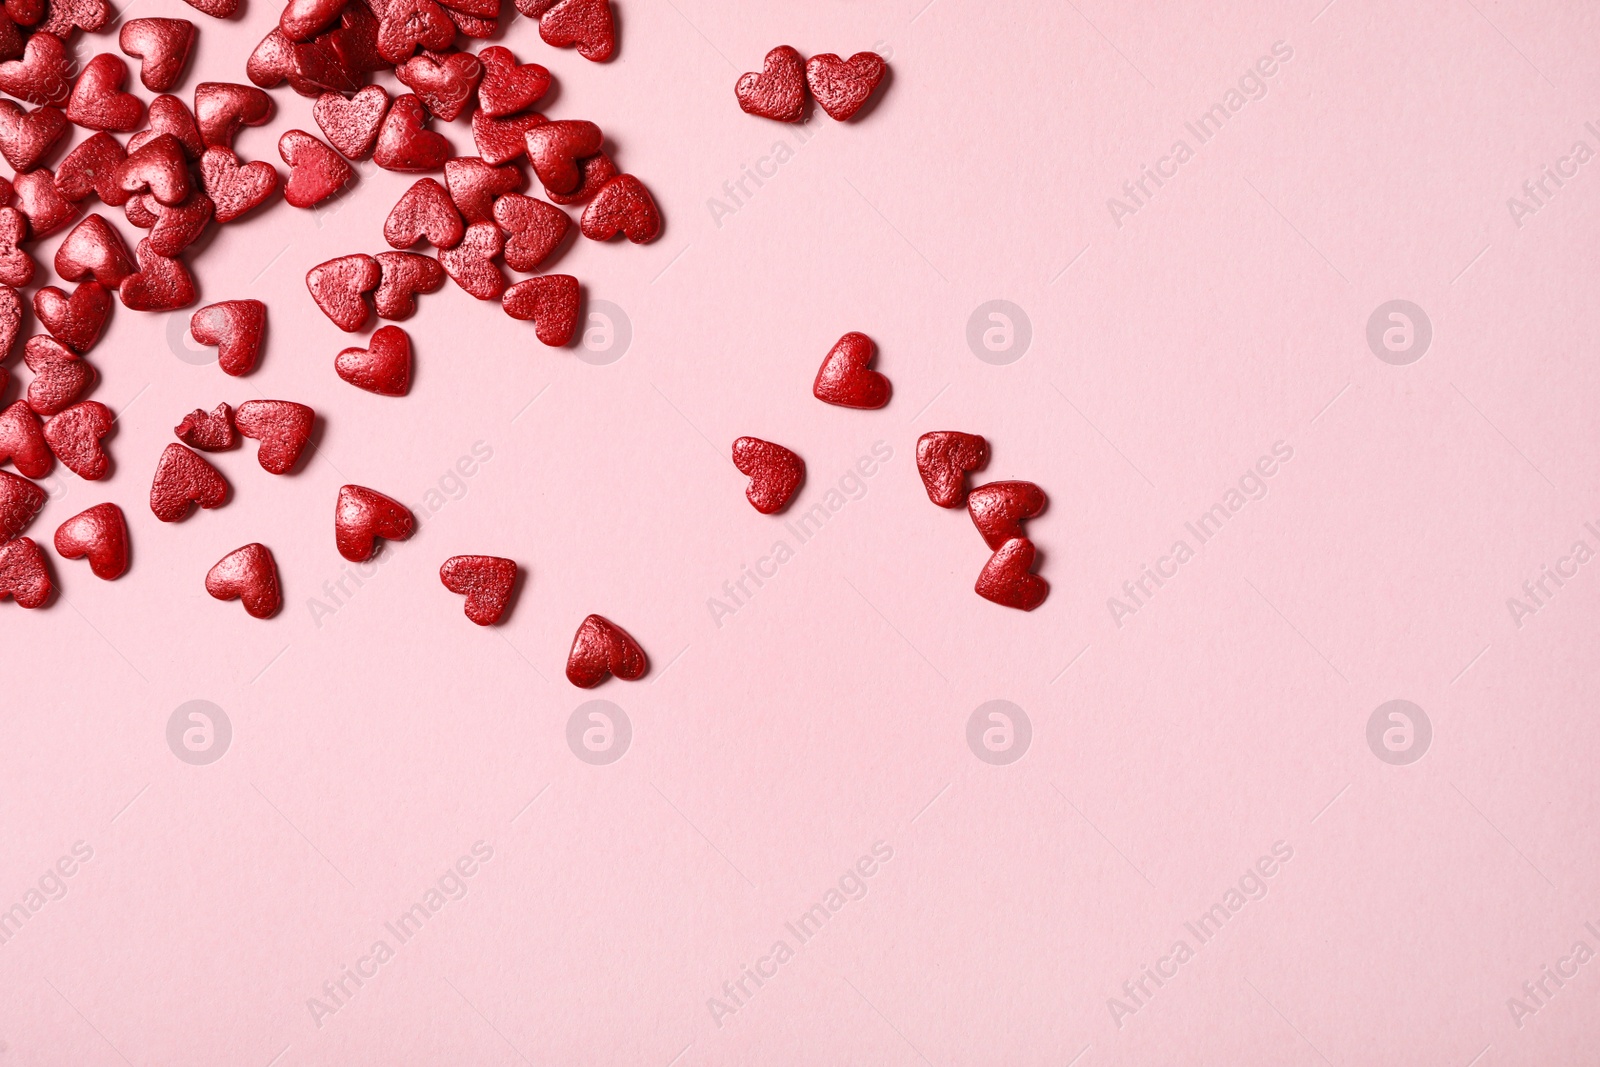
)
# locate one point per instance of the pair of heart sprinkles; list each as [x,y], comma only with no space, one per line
[841,87]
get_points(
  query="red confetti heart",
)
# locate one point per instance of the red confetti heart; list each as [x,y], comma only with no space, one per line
[283,428]
[16,266]
[403,142]
[534,8]
[775,473]
[425,210]
[25,136]
[472,26]
[101,534]
[405,274]
[250,575]
[554,148]
[183,479]
[40,76]
[944,459]
[474,185]
[168,114]
[235,189]
[316,171]
[211,432]
[98,102]
[508,86]
[160,166]
[999,509]
[779,91]
[361,516]
[841,86]
[237,328]
[585,23]
[25,12]
[352,125]
[304,19]
[445,85]
[844,378]
[273,62]
[42,203]
[92,167]
[217,9]
[163,45]
[76,320]
[10,320]
[602,648]
[174,228]
[74,436]
[59,376]
[486,582]
[337,286]
[550,302]
[623,205]
[533,228]
[1007,579]
[384,367]
[503,140]
[220,108]
[408,24]
[94,249]
[471,264]
[64,16]
[162,284]
[22,441]
[20,502]
[24,573]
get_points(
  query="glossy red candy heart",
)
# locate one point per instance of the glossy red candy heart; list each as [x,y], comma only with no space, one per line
[842,86]
[43,206]
[22,442]
[403,142]
[97,101]
[162,283]
[623,205]
[471,26]
[183,479]
[316,171]
[101,534]
[209,432]
[10,320]
[248,574]
[601,648]
[445,85]
[26,136]
[503,140]
[24,573]
[944,459]
[405,274]
[273,62]
[1007,578]
[163,45]
[533,230]
[775,473]
[16,266]
[94,249]
[20,502]
[217,9]
[74,436]
[486,581]
[160,166]
[550,302]
[845,379]
[59,376]
[76,320]
[508,86]
[555,148]
[587,24]
[302,20]
[534,8]
[383,367]
[237,328]
[596,171]
[40,76]
[337,287]
[351,125]
[235,189]
[283,428]
[779,91]
[24,12]
[220,108]
[425,210]
[168,114]
[471,264]
[174,228]
[474,185]
[361,516]
[92,167]
[62,17]
[999,509]
[406,25]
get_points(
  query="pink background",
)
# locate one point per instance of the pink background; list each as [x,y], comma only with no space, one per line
[374,746]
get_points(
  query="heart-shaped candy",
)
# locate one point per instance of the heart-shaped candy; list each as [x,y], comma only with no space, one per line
[361,516]
[623,205]
[550,302]
[351,125]
[43,207]
[595,172]
[220,108]
[25,12]
[405,274]
[92,167]
[62,17]
[944,459]
[94,249]
[1007,578]
[775,473]
[160,166]
[486,581]
[404,144]
[425,210]
[337,287]
[474,185]
[248,574]
[211,432]
[236,327]
[10,320]
[471,26]
[779,91]
[59,376]
[602,648]
[183,479]
[273,62]
[169,114]
[503,140]
[846,380]
[16,266]
[97,101]
[841,86]
[101,534]
[533,230]
[316,171]
[235,189]
[40,76]
[162,283]
[24,573]
[22,441]
[407,25]
[283,428]
[999,509]
[383,367]
[588,24]
[471,264]
[74,437]
[173,227]
[555,148]
[302,20]
[508,86]
[25,136]
[20,502]
[217,9]
[76,320]
[163,45]
[445,85]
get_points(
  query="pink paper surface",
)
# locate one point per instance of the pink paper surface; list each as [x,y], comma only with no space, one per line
[819,720]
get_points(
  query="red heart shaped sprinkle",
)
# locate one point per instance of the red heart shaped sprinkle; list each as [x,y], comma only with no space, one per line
[503,140]
[425,210]
[235,189]
[316,171]
[550,302]
[602,648]
[25,12]
[554,148]
[508,86]
[24,573]
[844,378]
[283,428]
[74,436]
[304,19]
[101,534]
[1007,579]
[408,24]
[236,327]
[273,62]
[248,574]
[403,142]
[471,264]
[472,26]
[217,9]
[533,228]
[596,171]
[337,286]
[999,509]
[59,376]
[534,8]
[183,479]
[352,125]
[163,45]
[46,210]
[94,249]
[208,432]
[20,502]
[40,76]
[623,205]
[361,516]
[220,108]
[64,16]
[405,274]
[775,473]
[25,136]
[779,91]
[97,101]
[474,185]
[383,367]
[486,581]
[162,284]
[22,441]
[445,86]
[174,228]
[585,23]
[10,320]
[16,266]
[76,320]
[841,86]
[92,167]
[944,459]
[168,114]
[160,166]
